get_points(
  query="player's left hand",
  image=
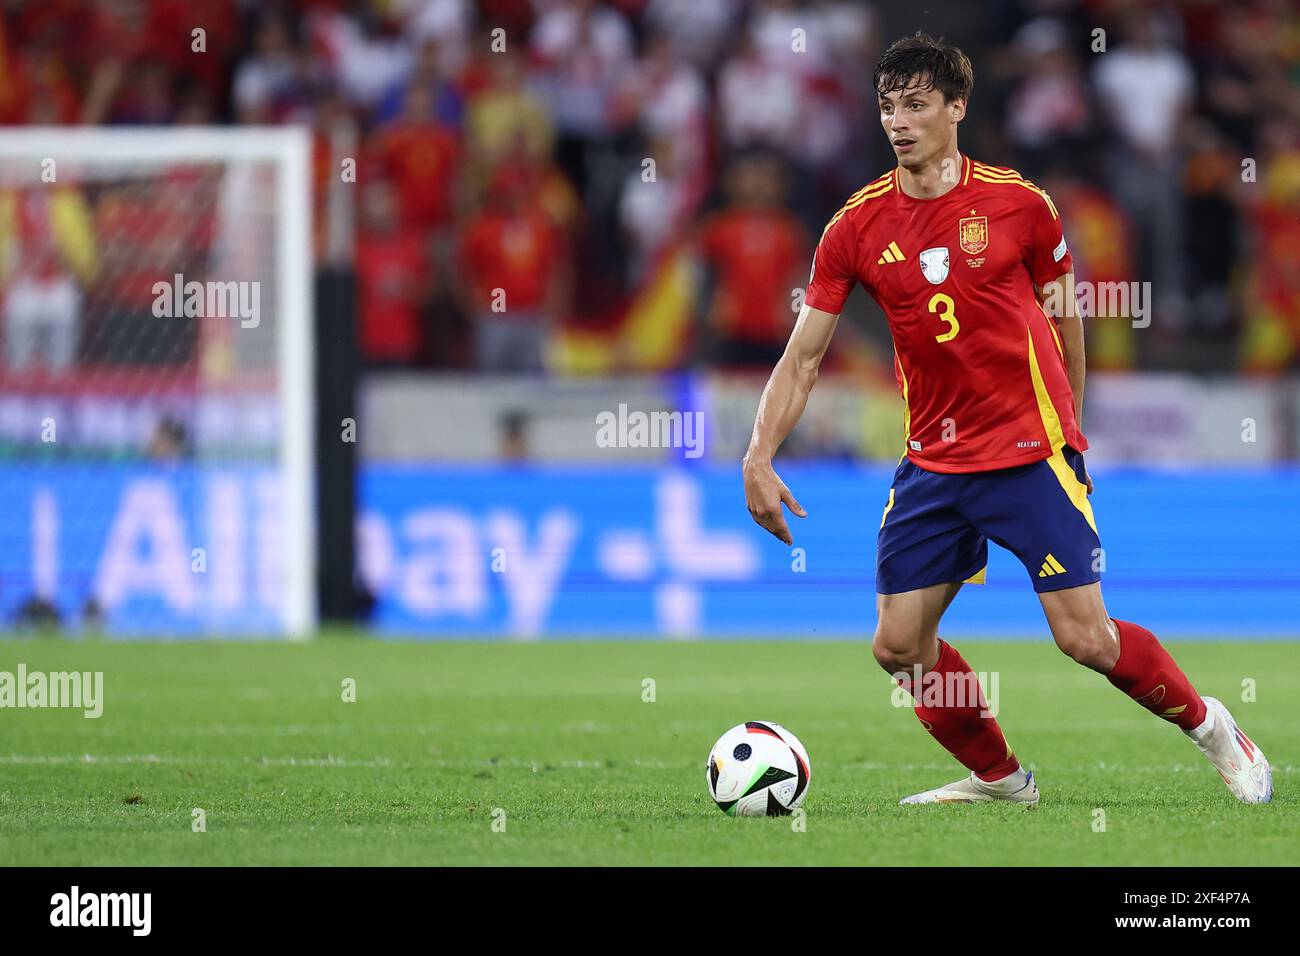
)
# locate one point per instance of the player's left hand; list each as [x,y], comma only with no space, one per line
[1088,477]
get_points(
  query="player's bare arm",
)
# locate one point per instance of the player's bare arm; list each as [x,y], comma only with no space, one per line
[779,410]
[1059,301]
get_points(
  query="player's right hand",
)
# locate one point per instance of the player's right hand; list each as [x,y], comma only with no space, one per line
[764,493]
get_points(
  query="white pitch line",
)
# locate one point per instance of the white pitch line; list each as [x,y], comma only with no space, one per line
[517,763]
[327,761]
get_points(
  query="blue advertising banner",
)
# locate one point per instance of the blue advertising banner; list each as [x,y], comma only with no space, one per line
[528,552]
[532,552]
[168,550]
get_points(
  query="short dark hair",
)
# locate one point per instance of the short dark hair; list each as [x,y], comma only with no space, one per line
[929,63]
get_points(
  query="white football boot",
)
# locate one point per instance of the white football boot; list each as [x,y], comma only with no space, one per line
[1017,787]
[1241,764]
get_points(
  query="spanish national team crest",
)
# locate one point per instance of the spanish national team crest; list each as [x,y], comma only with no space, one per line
[973,234]
[934,264]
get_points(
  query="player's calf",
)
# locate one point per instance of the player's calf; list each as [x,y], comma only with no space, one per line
[1081,628]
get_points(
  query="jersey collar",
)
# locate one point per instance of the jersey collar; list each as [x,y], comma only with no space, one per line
[966,164]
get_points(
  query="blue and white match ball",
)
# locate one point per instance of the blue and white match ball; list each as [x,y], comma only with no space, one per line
[758,769]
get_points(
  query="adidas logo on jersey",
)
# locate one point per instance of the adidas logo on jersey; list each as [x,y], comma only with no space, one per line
[1051,566]
[891,254]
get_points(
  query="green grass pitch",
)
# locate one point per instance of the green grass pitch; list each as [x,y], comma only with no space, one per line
[444,736]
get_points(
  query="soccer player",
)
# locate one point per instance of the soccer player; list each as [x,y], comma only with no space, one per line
[962,257]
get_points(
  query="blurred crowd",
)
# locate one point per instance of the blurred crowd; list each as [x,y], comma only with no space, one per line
[571,186]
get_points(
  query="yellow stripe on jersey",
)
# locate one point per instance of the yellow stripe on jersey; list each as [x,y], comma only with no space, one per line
[1005,172]
[996,177]
[1046,410]
[970,163]
[1015,180]
[988,173]
[1076,490]
[864,193]
[871,191]
[907,408]
[870,187]
[857,199]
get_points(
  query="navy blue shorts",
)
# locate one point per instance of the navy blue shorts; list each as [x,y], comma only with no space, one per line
[936,527]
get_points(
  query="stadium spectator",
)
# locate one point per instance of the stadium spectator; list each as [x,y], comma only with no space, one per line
[583,51]
[697,30]
[442,24]
[759,253]
[1245,73]
[47,249]
[420,156]
[365,56]
[1211,184]
[272,84]
[1272,298]
[434,72]
[758,103]
[42,315]
[670,100]
[1145,161]
[505,117]
[512,272]
[1048,114]
[393,280]
[657,205]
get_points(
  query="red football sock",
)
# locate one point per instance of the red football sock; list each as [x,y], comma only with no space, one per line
[953,718]
[1147,673]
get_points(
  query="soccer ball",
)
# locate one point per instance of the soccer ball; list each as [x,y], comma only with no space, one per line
[757,769]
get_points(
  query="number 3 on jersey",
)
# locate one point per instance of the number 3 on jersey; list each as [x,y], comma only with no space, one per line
[948,313]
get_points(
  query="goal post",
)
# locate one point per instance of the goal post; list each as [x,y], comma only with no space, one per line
[157,311]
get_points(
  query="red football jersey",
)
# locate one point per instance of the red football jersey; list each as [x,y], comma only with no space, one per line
[978,360]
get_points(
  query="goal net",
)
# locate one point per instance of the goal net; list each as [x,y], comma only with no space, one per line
[155,382]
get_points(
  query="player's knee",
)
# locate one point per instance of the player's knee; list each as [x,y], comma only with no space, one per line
[1085,642]
[895,648]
